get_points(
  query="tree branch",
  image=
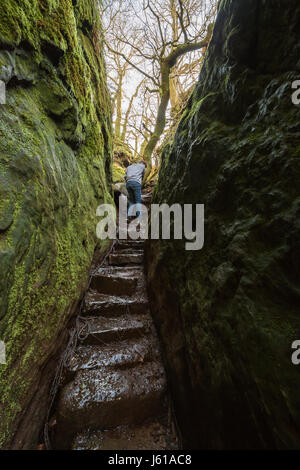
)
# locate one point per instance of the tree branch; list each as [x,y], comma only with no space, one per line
[183,49]
[137,49]
[158,21]
[132,64]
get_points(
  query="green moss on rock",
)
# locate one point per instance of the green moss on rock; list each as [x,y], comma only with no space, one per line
[55,169]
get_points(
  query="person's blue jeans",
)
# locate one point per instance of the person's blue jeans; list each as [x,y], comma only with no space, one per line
[134,190]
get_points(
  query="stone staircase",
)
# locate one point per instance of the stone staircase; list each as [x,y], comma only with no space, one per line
[114,395]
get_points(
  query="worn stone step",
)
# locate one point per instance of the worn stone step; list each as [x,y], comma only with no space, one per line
[154,434]
[136,244]
[105,305]
[107,281]
[101,330]
[119,354]
[121,259]
[100,399]
[129,251]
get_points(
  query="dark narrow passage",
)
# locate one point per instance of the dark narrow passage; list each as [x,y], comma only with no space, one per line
[114,393]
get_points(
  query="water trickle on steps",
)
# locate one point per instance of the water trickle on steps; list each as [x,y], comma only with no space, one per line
[113,395]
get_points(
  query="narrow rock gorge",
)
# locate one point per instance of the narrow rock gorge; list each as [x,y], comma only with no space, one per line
[228,314]
[55,170]
[175,348]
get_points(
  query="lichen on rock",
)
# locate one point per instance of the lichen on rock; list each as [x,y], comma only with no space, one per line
[121,160]
[228,314]
[55,169]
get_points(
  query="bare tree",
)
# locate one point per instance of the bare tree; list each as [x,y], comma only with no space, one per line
[163,39]
[118,69]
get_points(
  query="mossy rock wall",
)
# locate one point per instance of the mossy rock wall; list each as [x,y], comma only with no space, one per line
[121,160]
[228,314]
[118,173]
[55,169]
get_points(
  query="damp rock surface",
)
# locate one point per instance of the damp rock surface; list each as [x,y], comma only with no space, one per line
[153,435]
[228,314]
[55,169]
[114,391]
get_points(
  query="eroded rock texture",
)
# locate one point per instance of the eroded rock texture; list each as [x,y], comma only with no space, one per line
[113,390]
[55,168]
[227,314]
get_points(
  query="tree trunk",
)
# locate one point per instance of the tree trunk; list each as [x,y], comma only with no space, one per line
[161,113]
[119,107]
[124,129]
[174,81]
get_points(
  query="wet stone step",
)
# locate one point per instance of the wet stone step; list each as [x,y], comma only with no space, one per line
[109,398]
[116,283]
[136,244]
[120,259]
[101,330]
[104,305]
[152,435]
[120,354]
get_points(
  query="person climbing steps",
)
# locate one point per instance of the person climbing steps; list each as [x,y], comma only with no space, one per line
[134,178]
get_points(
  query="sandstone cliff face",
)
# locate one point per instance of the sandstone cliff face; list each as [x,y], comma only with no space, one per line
[55,168]
[227,314]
